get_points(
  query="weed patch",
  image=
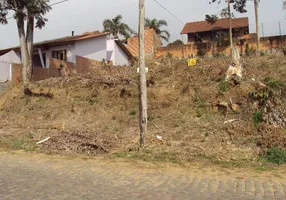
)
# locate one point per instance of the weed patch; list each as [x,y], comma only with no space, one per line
[258,118]
[275,155]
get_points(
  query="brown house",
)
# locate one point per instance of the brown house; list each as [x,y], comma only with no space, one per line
[203,31]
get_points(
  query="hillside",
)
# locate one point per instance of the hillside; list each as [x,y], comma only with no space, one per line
[197,114]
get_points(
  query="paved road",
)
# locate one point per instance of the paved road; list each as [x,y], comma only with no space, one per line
[29,176]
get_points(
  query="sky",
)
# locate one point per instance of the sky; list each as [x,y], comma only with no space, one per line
[87,15]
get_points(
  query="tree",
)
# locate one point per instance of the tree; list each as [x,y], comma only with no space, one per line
[156,25]
[31,12]
[142,75]
[238,5]
[117,27]
[176,42]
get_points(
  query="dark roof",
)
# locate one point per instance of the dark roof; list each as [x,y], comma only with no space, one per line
[201,26]
[61,41]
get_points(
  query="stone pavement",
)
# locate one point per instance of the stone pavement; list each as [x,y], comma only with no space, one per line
[30,176]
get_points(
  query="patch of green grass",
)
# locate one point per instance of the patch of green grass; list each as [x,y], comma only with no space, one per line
[91,100]
[275,155]
[206,134]
[223,86]
[22,143]
[200,112]
[261,168]
[253,140]
[274,83]
[258,118]
[150,118]
[148,155]
[132,112]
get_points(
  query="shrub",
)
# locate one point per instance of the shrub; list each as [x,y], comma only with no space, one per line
[249,50]
[275,155]
[258,117]
[274,83]
[132,112]
[222,86]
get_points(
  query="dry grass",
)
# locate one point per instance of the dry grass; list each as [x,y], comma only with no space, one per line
[98,113]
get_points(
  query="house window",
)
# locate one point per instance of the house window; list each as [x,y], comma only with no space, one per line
[60,54]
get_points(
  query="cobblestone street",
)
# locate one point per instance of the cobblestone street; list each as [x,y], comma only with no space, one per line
[29,176]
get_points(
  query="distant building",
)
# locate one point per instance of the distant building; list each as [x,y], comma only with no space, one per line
[91,45]
[202,31]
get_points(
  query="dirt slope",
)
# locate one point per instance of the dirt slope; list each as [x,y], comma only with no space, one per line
[98,113]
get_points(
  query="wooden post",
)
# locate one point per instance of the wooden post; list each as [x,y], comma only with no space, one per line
[183,47]
[142,75]
[154,44]
[230,24]
[257,26]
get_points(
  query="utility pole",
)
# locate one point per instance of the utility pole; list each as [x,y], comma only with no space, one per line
[262,28]
[257,26]
[230,24]
[142,75]
[183,48]
[280,32]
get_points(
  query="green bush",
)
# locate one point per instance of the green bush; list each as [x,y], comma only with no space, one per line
[132,112]
[275,155]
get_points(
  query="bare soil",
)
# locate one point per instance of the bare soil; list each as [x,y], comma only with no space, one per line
[97,113]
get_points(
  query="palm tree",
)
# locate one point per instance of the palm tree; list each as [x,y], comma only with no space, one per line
[116,27]
[156,25]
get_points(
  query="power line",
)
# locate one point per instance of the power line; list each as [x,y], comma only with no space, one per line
[169,12]
[176,18]
[53,4]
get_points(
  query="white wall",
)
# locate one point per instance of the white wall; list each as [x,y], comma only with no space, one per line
[120,58]
[93,48]
[70,53]
[11,57]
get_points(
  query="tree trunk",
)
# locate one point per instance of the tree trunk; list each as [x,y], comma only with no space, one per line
[24,51]
[257,26]
[230,24]
[142,76]
[29,40]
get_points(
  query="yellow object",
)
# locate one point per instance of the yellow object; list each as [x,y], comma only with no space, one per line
[192,62]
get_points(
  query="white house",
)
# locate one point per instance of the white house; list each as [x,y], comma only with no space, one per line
[92,45]
[5,65]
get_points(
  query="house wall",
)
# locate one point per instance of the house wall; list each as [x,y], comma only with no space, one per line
[70,53]
[10,57]
[268,44]
[120,58]
[93,48]
[207,36]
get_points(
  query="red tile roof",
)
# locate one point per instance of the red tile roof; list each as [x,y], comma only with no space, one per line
[61,41]
[133,44]
[201,26]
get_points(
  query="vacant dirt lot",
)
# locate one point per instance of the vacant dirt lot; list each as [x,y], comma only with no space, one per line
[196,113]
